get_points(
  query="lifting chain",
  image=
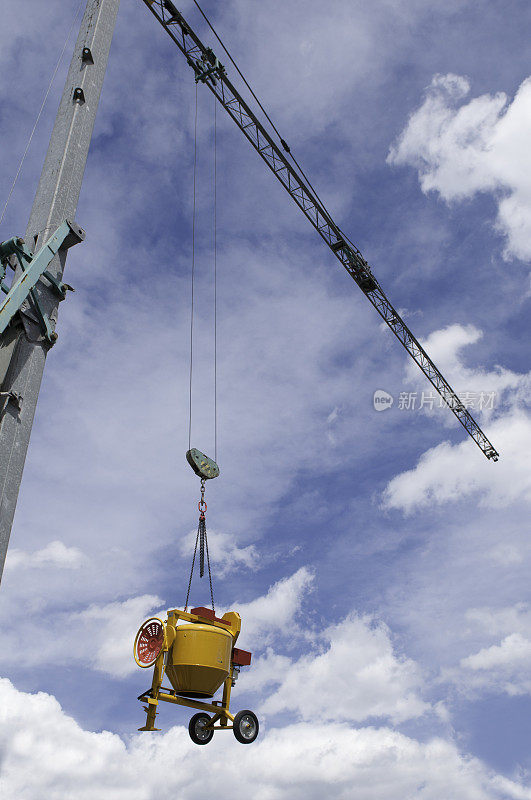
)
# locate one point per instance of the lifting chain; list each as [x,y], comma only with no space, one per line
[202,506]
[202,541]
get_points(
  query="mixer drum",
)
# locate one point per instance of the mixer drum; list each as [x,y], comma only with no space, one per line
[199,659]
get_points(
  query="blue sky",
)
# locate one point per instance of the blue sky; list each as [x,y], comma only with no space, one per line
[379,562]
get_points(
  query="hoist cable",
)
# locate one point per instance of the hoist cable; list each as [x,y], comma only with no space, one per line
[237,68]
[192,281]
[19,170]
[201,539]
[282,141]
[215,284]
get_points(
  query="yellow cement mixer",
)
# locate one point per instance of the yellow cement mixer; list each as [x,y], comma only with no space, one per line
[197,657]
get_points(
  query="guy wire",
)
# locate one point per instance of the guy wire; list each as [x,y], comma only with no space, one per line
[41,109]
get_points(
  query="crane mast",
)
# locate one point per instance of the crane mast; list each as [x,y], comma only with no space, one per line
[212,73]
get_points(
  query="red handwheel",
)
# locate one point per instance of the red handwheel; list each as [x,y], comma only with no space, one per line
[148,642]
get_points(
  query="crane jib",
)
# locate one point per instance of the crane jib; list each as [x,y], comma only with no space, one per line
[209,70]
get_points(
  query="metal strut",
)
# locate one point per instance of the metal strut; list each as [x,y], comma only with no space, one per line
[32,267]
[209,71]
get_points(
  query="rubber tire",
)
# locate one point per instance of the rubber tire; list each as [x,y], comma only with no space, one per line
[237,726]
[192,729]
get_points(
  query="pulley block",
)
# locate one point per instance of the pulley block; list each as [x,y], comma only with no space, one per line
[202,465]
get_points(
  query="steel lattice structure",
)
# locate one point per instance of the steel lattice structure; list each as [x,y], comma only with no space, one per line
[212,73]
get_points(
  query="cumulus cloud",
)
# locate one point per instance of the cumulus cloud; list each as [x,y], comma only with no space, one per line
[55,554]
[356,676]
[274,613]
[99,637]
[109,631]
[496,621]
[513,649]
[481,390]
[447,472]
[502,666]
[302,760]
[461,148]
[226,555]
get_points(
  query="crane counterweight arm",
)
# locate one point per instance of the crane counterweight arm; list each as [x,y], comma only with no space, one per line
[212,73]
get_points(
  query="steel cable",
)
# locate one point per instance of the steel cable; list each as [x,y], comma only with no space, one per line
[215,284]
[282,141]
[192,281]
[19,170]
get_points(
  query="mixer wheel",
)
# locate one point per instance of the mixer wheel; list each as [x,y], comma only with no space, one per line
[245,727]
[149,641]
[196,729]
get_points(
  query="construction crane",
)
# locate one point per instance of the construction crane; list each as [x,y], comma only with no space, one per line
[28,311]
[209,71]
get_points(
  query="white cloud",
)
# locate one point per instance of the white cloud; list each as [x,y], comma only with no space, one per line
[226,555]
[461,149]
[515,618]
[505,554]
[502,668]
[45,753]
[445,347]
[108,633]
[356,676]
[99,637]
[447,472]
[274,614]
[109,630]
[512,650]
[265,670]
[55,554]
[505,665]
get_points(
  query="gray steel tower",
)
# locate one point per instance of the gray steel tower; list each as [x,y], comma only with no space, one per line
[24,345]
